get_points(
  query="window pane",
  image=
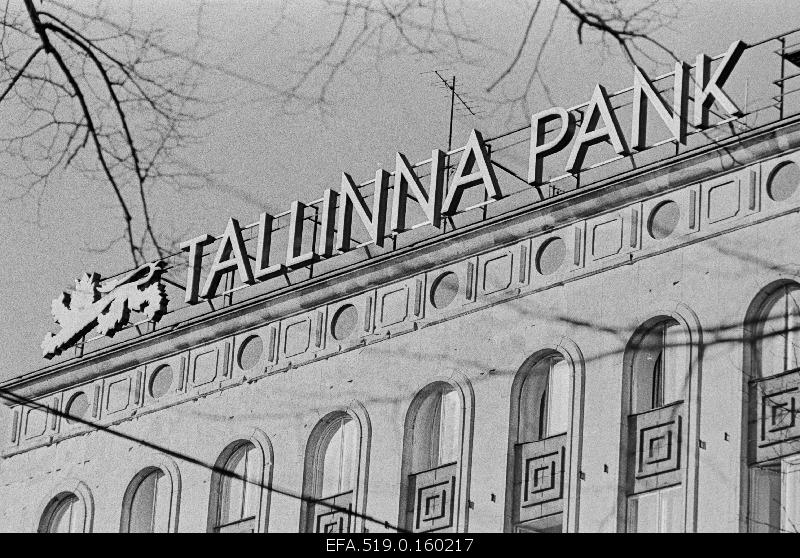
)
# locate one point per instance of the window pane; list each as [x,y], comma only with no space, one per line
[774,341]
[643,513]
[143,504]
[426,433]
[765,499]
[559,397]
[437,429]
[793,329]
[645,360]
[231,499]
[660,511]
[332,462]
[250,487]
[450,427]
[338,467]
[549,524]
[790,494]
[534,388]
[163,503]
[671,510]
[659,367]
[349,455]
[674,363]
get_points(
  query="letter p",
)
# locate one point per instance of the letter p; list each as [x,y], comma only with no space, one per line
[541,148]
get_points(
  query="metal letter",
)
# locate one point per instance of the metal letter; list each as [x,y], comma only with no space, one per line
[374,220]
[293,256]
[589,134]
[706,90]
[328,228]
[431,202]
[230,243]
[474,154]
[675,119]
[540,148]
[195,249]
[263,269]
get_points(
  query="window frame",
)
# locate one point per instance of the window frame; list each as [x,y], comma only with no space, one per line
[314,462]
[754,325]
[47,505]
[556,346]
[463,388]
[262,446]
[691,335]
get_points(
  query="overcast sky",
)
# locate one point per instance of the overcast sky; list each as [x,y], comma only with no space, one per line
[265,158]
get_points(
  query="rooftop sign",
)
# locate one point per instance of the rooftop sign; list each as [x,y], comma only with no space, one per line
[441,197]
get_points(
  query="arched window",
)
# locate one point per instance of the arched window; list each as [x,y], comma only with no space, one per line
[64,514]
[778,341]
[150,502]
[235,497]
[773,430]
[433,459]
[539,443]
[333,458]
[654,433]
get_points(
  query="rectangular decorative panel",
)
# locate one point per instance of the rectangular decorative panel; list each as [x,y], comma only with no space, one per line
[729,198]
[118,394]
[300,338]
[777,401]
[35,423]
[433,494]
[496,272]
[539,475]
[121,394]
[658,446]
[334,520]
[398,306]
[613,236]
[723,200]
[393,304]
[297,336]
[208,366]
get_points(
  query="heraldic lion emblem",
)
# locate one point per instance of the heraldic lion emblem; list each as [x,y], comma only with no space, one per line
[106,307]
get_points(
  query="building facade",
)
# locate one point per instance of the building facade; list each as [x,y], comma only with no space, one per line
[619,358]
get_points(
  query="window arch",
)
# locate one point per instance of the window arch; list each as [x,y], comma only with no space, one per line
[435,455]
[63,515]
[335,466]
[659,427]
[539,443]
[71,510]
[772,377]
[239,498]
[151,501]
